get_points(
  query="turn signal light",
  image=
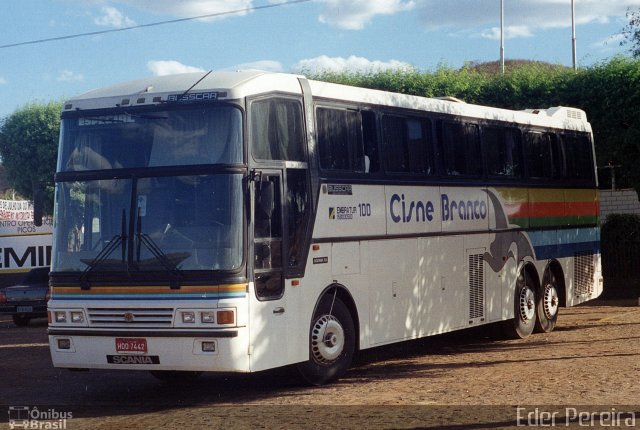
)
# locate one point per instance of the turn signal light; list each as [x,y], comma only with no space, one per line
[225,317]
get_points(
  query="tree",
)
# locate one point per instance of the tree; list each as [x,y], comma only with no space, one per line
[631,32]
[29,147]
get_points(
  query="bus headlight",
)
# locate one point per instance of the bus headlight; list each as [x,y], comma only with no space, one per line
[189,317]
[60,316]
[77,317]
[208,317]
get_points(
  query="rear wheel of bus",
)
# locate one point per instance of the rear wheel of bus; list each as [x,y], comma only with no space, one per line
[548,304]
[331,342]
[523,323]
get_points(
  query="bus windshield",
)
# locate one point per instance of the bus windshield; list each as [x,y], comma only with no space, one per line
[117,139]
[129,200]
[142,224]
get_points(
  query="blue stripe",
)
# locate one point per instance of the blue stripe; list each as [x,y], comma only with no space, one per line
[565,236]
[565,250]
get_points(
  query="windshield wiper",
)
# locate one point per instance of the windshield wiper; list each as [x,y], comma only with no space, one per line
[119,239]
[175,274]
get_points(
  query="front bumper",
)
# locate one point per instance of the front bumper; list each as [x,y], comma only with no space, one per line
[166,350]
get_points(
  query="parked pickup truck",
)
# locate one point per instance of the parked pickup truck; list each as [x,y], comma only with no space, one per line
[28,299]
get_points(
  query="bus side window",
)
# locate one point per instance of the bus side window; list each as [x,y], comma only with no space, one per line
[543,155]
[578,156]
[370,138]
[268,238]
[407,144]
[502,146]
[460,148]
[340,140]
[277,130]
[297,206]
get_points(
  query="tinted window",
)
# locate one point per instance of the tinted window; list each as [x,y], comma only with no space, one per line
[276,130]
[460,147]
[543,155]
[502,146]
[406,144]
[116,140]
[578,156]
[340,140]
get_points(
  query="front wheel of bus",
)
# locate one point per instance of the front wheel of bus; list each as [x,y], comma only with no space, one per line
[524,319]
[548,306]
[331,343]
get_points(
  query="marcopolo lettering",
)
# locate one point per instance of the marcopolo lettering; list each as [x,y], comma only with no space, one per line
[465,210]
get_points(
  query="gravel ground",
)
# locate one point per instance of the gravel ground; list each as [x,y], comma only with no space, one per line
[588,368]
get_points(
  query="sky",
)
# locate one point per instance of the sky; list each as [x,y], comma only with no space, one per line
[284,36]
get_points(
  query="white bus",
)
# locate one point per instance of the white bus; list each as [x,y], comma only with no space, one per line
[241,221]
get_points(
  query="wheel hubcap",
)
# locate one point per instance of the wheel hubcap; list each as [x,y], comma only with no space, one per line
[527,304]
[550,301]
[327,339]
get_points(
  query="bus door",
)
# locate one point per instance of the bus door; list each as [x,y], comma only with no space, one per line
[268,310]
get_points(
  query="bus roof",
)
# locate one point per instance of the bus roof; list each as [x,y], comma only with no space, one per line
[237,85]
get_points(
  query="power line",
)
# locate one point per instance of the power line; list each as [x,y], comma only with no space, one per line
[153,24]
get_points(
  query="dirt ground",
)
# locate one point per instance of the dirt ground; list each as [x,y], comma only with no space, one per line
[589,365]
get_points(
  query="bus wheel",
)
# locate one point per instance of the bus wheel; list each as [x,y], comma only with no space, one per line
[548,306]
[524,320]
[331,343]
[175,376]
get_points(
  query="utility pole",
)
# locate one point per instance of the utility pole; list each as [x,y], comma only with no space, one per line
[502,36]
[573,35]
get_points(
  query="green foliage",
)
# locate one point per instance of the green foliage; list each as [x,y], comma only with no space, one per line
[631,32]
[608,92]
[29,147]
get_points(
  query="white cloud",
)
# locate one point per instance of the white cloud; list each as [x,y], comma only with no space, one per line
[112,17]
[351,64]
[356,14]
[170,67]
[510,32]
[189,8]
[610,44]
[69,76]
[3,81]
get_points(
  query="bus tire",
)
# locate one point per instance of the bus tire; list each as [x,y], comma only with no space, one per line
[524,321]
[331,343]
[548,305]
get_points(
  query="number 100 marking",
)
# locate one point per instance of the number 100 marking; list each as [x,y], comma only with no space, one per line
[364,209]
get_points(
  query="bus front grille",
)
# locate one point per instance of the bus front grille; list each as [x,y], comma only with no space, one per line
[128,317]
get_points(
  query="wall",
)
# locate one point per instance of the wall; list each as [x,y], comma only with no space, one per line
[618,202]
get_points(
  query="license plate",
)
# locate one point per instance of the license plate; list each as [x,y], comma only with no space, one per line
[24,309]
[131,344]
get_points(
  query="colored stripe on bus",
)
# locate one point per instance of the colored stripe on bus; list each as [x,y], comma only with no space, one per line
[564,243]
[532,208]
[151,292]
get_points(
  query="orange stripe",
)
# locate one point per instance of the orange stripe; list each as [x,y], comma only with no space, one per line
[552,209]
